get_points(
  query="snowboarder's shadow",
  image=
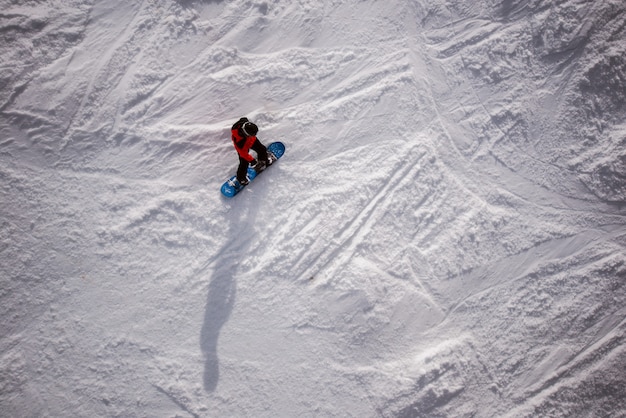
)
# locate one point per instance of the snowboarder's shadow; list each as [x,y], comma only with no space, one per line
[222,290]
[221,296]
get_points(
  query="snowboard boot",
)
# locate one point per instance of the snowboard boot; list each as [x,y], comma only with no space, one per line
[271,158]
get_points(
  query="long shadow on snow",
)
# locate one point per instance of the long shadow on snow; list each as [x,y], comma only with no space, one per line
[223,287]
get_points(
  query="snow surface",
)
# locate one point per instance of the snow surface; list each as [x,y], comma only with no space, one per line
[444,237]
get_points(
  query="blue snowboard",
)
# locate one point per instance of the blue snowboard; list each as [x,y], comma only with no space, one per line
[232,186]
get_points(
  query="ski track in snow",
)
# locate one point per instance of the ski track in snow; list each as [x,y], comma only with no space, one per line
[445,235]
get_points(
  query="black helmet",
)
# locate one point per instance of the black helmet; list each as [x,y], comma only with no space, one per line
[249,129]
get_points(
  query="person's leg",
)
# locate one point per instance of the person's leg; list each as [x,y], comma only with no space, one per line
[242,171]
[260,150]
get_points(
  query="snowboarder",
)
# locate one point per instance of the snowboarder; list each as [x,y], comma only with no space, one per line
[244,138]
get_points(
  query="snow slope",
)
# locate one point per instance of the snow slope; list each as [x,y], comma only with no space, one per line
[445,235]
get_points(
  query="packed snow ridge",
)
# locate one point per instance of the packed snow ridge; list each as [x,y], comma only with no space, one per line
[445,235]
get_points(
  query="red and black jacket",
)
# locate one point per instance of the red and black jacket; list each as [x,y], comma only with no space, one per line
[241,142]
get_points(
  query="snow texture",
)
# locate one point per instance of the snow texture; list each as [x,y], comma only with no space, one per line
[444,237]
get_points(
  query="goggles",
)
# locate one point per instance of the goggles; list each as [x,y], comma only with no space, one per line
[243,128]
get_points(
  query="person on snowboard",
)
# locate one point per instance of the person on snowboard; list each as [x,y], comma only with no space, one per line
[244,138]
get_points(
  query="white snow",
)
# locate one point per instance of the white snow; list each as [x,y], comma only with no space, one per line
[444,237]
